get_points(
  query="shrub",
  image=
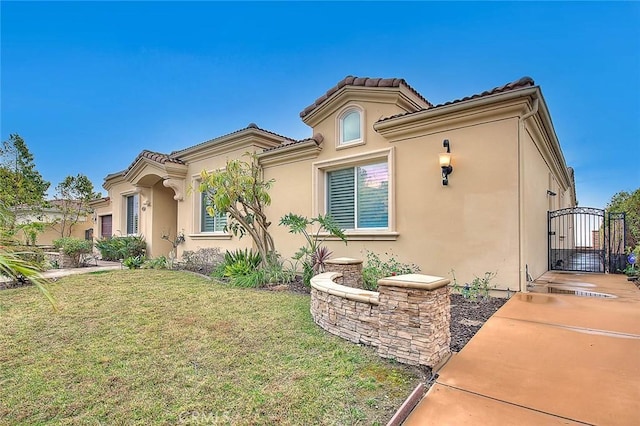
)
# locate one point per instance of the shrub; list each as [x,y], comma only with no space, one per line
[277,273]
[73,247]
[478,288]
[133,262]
[159,262]
[313,255]
[376,268]
[117,248]
[241,260]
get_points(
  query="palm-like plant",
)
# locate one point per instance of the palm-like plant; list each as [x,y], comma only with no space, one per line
[14,266]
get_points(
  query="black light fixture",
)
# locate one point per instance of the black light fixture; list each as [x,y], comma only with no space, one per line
[445,162]
[551,193]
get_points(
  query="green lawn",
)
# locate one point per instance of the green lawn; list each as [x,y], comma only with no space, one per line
[163,347]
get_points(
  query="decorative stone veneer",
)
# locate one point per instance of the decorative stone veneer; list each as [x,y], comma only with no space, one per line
[350,269]
[344,311]
[66,261]
[414,315]
[408,320]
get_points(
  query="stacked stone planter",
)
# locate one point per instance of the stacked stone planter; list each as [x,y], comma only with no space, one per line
[408,320]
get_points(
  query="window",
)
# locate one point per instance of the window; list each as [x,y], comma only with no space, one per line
[133,215]
[210,223]
[358,197]
[350,125]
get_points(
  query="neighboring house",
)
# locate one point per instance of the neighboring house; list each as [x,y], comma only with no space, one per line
[51,217]
[373,163]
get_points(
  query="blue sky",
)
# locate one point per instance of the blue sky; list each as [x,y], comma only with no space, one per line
[88,85]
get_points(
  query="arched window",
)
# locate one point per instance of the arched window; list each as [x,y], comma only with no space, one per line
[350,126]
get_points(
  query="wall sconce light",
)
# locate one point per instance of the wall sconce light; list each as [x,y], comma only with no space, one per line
[551,193]
[445,163]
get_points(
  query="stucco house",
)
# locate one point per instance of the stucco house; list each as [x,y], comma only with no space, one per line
[373,163]
[52,218]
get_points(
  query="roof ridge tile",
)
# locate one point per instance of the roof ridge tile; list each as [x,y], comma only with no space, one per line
[361,82]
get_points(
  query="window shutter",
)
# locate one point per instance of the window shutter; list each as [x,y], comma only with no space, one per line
[210,223]
[132,214]
[341,196]
[373,196]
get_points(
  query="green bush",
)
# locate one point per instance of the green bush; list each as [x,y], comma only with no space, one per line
[133,262]
[73,247]
[159,262]
[478,288]
[240,262]
[376,268]
[313,254]
[117,248]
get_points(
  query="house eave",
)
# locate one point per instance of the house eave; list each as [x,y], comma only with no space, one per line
[296,152]
[399,96]
[247,138]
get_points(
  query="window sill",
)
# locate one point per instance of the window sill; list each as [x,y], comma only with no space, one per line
[365,236]
[344,145]
[212,236]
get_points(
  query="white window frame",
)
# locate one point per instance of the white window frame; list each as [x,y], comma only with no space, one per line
[340,142]
[215,218]
[125,198]
[319,183]
[197,232]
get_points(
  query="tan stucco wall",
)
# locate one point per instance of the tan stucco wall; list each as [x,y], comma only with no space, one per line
[52,232]
[470,226]
[538,178]
[163,210]
[189,208]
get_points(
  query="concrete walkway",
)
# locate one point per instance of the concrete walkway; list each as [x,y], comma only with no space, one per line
[547,358]
[102,266]
[58,273]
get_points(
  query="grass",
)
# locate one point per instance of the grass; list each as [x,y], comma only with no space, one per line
[163,347]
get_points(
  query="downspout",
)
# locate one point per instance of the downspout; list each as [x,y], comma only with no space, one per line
[521,204]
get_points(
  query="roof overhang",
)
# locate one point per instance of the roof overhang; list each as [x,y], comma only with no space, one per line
[250,139]
[516,103]
[401,96]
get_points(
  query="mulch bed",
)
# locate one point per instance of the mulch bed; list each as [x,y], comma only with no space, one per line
[468,316]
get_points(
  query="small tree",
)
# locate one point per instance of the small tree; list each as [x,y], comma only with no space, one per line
[241,191]
[21,185]
[73,196]
[628,202]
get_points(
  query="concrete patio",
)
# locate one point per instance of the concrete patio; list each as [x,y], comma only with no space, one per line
[547,358]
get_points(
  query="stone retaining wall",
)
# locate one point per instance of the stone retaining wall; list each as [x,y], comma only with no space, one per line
[408,320]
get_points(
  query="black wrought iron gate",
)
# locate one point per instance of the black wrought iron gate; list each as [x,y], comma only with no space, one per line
[586,239]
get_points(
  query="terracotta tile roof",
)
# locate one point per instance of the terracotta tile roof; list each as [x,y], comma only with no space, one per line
[250,126]
[518,84]
[156,157]
[317,138]
[363,82]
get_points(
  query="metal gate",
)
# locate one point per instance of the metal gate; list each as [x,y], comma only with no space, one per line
[586,239]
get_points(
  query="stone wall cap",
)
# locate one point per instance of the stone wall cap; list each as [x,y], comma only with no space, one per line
[426,282]
[324,282]
[343,261]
